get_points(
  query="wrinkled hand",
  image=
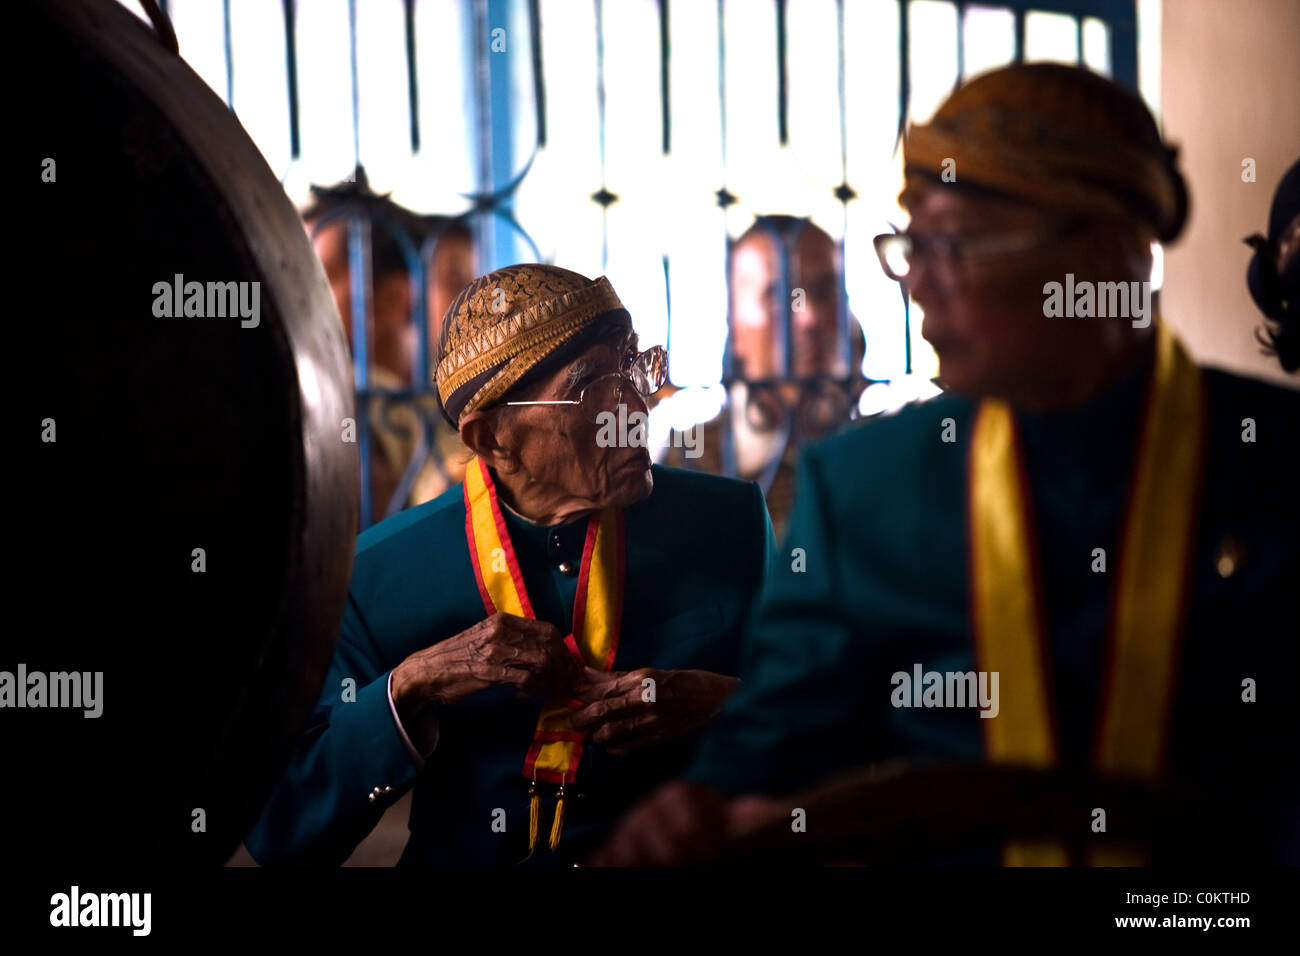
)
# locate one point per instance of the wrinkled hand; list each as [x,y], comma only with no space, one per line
[625,713]
[682,824]
[502,650]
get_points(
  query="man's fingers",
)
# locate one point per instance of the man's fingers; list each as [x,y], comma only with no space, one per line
[513,625]
[543,680]
[543,630]
[593,693]
[551,671]
[527,673]
[606,684]
[511,622]
[587,717]
[604,711]
[621,733]
[499,652]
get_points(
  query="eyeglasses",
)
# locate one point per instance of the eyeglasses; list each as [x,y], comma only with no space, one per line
[899,251]
[646,371]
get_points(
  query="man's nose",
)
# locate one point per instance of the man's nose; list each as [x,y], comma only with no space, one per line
[921,283]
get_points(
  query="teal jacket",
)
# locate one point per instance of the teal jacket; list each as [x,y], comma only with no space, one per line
[880,518]
[697,553]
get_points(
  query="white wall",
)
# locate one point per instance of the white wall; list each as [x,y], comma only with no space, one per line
[1230,89]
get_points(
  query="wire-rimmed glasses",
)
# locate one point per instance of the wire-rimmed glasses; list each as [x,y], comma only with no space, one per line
[646,371]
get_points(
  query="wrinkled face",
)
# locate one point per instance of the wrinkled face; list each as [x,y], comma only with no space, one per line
[757,309]
[557,445]
[985,317]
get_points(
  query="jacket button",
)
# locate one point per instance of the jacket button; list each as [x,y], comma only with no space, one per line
[568,568]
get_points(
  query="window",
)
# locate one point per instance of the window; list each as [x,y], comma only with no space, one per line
[632,137]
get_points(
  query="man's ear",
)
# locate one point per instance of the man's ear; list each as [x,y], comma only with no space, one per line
[479,433]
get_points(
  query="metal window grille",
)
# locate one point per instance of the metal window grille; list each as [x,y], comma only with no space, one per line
[624,137]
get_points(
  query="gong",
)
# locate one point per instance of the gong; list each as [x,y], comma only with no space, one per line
[185,501]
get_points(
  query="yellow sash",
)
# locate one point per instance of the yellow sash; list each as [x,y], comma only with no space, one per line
[556,749]
[1148,602]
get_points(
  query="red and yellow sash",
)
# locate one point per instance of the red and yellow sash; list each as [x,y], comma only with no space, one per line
[1149,596]
[556,749]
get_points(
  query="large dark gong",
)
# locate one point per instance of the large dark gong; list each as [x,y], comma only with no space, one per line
[170,435]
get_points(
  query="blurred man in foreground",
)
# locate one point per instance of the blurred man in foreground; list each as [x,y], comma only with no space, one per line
[1085,515]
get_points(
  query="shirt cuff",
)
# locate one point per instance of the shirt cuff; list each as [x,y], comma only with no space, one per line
[392,709]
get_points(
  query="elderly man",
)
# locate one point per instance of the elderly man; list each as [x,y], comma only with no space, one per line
[1086,514]
[536,649]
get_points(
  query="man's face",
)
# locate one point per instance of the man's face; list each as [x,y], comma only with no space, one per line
[556,444]
[985,318]
[758,310]
[452,270]
[393,339]
[331,246]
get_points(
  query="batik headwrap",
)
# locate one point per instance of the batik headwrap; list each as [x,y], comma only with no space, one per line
[504,324]
[1059,137]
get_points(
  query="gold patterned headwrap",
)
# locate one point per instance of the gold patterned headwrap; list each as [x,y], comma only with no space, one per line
[1059,137]
[504,324]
